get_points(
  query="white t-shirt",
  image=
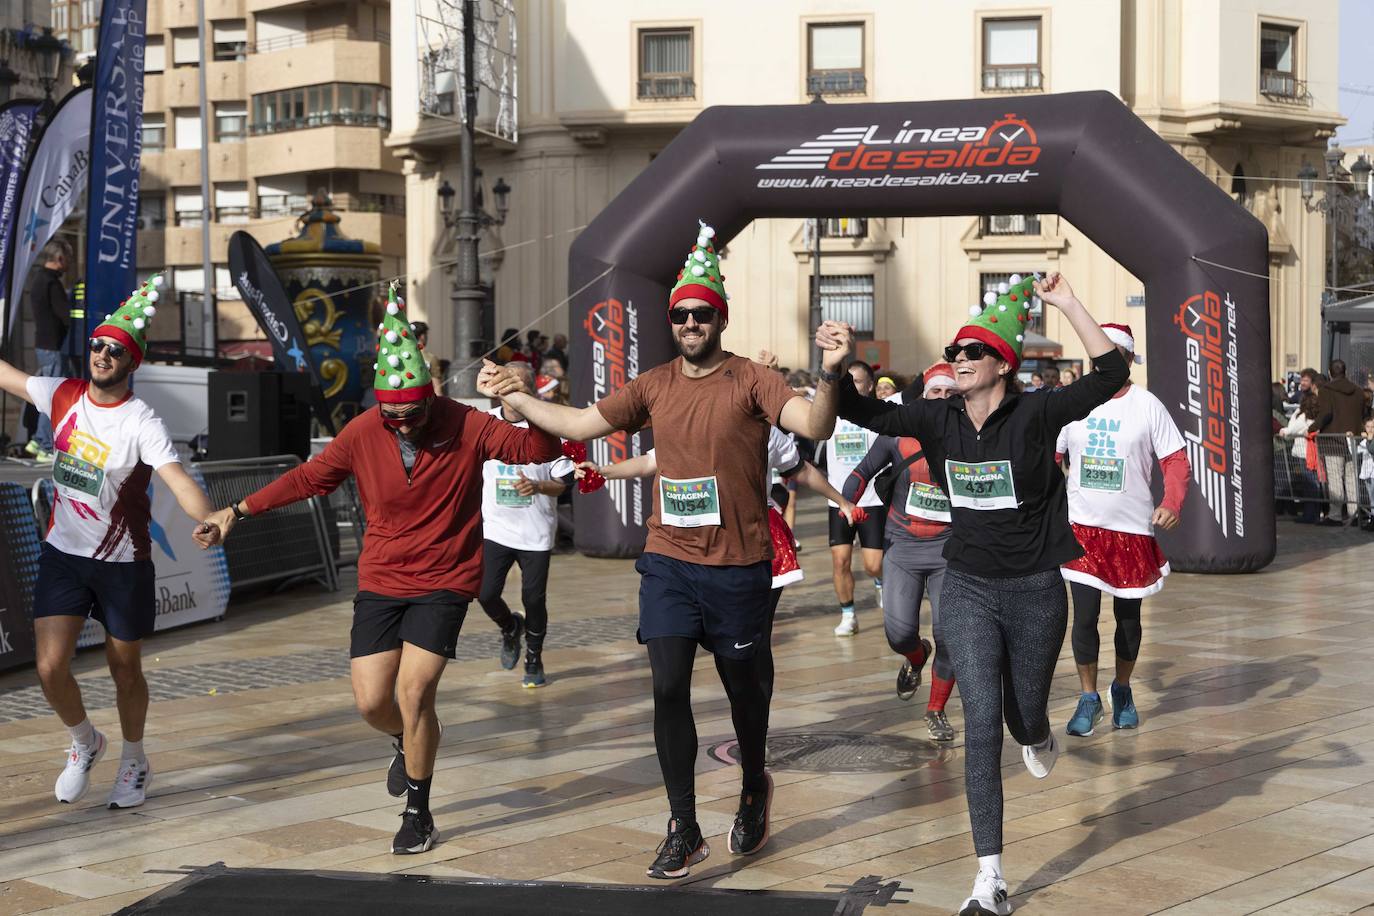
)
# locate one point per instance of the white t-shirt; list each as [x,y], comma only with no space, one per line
[843,452]
[1111,456]
[103,464]
[520,522]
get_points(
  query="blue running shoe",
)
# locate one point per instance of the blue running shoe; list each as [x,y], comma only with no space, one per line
[1086,716]
[1123,707]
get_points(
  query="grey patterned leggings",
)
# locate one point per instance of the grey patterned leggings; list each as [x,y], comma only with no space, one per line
[1004,637]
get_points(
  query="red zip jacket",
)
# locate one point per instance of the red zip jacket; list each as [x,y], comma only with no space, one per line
[424,530]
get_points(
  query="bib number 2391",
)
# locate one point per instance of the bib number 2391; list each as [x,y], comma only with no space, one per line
[1101,473]
[984,485]
[690,503]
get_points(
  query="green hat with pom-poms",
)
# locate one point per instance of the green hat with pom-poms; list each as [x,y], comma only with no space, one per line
[402,374]
[700,276]
[129,323]
[1001,320]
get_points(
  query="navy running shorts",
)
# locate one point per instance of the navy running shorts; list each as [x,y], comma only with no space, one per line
[724,608]
[122,596]
[431,622]
[870,530]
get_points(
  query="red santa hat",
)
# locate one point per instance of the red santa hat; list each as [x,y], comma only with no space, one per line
[1120,334]
[939,374]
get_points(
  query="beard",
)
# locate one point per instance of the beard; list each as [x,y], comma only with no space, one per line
[707,348]
[116,378]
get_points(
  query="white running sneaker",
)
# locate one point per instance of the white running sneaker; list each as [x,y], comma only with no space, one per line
[878,587]
[75,777]
[989,897]
[848,625]
[1040,760]
[131,785]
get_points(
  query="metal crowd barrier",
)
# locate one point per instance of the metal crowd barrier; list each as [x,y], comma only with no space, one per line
[1331,475]
[287,543]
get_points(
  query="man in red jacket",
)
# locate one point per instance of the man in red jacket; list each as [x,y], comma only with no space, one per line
[418,460]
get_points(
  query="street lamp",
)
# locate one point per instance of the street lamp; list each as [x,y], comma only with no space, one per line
[48,49]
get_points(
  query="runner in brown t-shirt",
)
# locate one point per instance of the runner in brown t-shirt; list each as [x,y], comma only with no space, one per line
[705,571]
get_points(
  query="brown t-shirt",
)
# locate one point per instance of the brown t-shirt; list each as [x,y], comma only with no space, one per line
[711,443]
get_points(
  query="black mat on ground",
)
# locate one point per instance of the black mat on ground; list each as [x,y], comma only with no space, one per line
[218,890]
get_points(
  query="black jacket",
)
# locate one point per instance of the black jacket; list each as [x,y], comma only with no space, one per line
[49,306]
[1340,405]
[1000,543]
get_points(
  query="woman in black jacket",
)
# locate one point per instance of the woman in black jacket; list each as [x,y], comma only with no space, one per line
[991,449]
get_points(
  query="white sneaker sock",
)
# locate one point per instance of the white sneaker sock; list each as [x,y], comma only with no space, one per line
[83,734]
[133,750]
[991,864]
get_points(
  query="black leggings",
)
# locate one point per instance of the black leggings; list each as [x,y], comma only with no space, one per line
[765,656]
[675,731]
[534,582]
[1087,605]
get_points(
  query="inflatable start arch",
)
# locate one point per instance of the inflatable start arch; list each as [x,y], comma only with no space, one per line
[1082,155]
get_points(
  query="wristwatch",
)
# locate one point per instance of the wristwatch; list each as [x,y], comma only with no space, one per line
[238,513]
[831,377]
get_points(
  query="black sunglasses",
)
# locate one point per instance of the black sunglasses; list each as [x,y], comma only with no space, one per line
[397,420]
[99,346]
[974,351]
[703,314]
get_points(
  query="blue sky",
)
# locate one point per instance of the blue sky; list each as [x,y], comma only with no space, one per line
[1357,69]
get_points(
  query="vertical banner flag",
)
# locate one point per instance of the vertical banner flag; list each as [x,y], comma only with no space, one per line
[266,298]
[51,189]
[16,132]
[116,147]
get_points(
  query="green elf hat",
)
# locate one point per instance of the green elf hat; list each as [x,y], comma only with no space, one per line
[700,276]
[1001,320]
[402,374]
[128,324]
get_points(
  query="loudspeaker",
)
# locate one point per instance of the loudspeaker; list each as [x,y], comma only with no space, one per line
[255,414]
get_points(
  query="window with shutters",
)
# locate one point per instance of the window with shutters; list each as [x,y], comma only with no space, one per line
[185,48]
[323,105]
[1012,55]
[154,55]
[231,202]
[665,64]
[187,204]
[231,122]
[835,59]
[152,211]
[154,132]
[230,39]
[186,128]
[849,297]
[1279,77]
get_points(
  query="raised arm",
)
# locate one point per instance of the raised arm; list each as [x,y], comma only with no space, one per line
[580,424]
[14,381]
[1110,372]
[815,419]
[190,497]
[645,465]
[810,476]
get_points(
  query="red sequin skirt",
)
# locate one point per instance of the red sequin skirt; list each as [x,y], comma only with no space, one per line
[1120,564]
[786,569]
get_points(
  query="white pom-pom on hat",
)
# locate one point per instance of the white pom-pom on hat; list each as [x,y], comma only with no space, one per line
[150,311]
[699,255]
[393,361]
[392,308]
[374,366]
[394,381]
[703,241]
[152,295]
[698,270]
[405,354]
[1014,278]
[974,310]
[1020,337]
[391,337]
[139,323]
[1001,308]
[1002,287]
[989,297]
[157,280]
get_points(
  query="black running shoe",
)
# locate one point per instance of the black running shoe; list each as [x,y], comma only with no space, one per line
[751,821]
[909,678]
[682,848]
[938,727]
[510,642]
[396,773]
[534,670]
[417,833]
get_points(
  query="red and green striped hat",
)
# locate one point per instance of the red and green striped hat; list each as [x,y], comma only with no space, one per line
[402,374]
[700,276]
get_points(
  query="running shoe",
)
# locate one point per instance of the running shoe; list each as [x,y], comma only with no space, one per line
[32,448]
[1123,707]
[510,642]
[1086,716]
[1040,760]
[751,821]
[989,897]
[417,833]
[75,777]
[938,727]
[534,670]
[396,773]
[43,458]
[131,785]
[878,587]
[909,678]
[682,848]
[848,625]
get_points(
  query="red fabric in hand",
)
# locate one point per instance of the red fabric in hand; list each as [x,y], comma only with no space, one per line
[576,452]
[860,516]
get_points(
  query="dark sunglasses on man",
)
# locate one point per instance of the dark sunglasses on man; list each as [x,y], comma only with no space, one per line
[99,346]
[974,351]
[703,314]
[405,418]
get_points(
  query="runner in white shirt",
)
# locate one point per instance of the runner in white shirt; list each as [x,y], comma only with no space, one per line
[839,456]
[96,559]
[519,524]
[1110,455]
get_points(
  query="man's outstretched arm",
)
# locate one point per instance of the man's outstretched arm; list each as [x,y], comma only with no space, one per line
[577,424]
[815,420]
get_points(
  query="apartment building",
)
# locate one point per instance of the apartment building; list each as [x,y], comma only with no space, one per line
[1244,89]
[298,99]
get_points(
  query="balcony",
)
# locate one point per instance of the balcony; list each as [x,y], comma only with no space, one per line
[320,56]
[844,228]
[320,119]
[1013,79]
[1283,86]
[661,88]
[1011,224]
[836,82]
[320,149]
[312,36]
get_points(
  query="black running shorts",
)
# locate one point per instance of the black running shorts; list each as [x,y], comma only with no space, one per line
[431,622]
[724,608]
[870,531]
[122,596]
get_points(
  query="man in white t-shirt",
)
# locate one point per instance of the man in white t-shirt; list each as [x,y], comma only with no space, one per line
[96,558]
[839,456]
[519,524]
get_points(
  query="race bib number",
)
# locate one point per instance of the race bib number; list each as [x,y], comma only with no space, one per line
[1101,473]
[850,447]
[508,496]
[927,501]
[74,474]
[691,503]
[985,485]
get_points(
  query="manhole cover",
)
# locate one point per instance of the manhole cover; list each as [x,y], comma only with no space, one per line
[839,752]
